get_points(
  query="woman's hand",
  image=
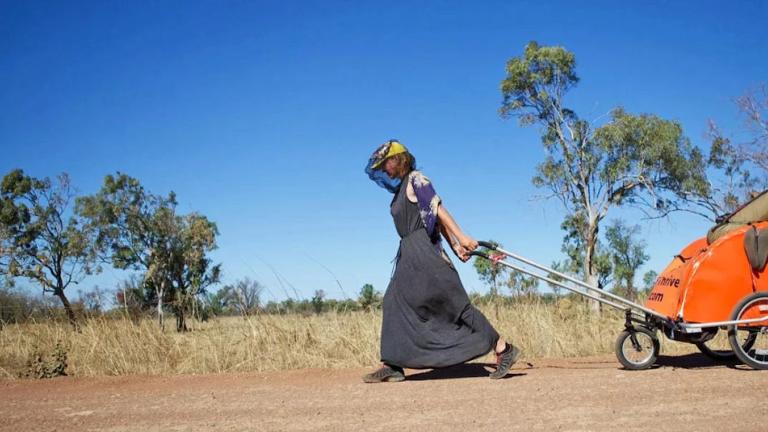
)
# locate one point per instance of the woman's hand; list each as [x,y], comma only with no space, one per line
[461,252]
[468,243]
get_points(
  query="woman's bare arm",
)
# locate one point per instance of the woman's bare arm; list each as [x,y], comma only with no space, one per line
[461,243]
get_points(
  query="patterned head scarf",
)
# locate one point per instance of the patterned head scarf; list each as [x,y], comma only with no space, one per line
[373,168]
[387,150]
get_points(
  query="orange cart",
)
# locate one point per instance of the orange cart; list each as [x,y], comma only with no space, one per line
[716,283]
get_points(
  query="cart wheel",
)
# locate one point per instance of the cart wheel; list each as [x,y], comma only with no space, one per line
[637,348]
[718,348]
[750,342]
[715,349]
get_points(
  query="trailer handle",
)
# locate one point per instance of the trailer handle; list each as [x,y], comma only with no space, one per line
[552,281]
[550,271]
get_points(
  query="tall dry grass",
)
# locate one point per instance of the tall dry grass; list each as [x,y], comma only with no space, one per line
[274,342]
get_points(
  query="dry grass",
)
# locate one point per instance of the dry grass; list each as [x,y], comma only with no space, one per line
[273,342]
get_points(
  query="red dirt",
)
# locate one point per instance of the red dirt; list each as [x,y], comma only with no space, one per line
[685,393]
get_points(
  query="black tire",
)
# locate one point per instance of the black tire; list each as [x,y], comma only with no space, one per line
[750,343]
[726,356]
[718,355]
[630,356]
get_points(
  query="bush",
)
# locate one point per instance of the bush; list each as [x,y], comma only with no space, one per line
[54,365]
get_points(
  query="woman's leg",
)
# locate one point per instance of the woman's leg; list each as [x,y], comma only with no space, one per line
[475,320]
[506,355]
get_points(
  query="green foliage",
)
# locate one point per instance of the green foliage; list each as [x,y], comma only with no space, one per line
[142,231]
[369,298]
[189,269]
[627,254]
[616,262]
[488,271]
[649,279]
[496,275]
[39,239]
[317,301]
[521,284]
[345,305]
[316,305]
[573,246]
[644,156]
[217,303]
[641,160]
[537,81]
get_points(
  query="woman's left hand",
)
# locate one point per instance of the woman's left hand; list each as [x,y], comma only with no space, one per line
[468,243]
[461,252]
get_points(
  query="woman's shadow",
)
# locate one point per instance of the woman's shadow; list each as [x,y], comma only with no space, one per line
[466,370]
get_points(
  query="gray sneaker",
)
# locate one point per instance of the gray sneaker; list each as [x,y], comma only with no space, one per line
[384,374]
[504,361]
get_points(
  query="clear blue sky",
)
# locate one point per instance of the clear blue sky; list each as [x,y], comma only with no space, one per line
[261,115]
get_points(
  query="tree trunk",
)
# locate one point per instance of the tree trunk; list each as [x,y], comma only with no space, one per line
[631,292]
[125,301]
[68,308]
[594,305]
[160,293]
[181,322]
[590,273]
[179,309]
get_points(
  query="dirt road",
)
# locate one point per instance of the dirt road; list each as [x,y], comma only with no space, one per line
[686,393]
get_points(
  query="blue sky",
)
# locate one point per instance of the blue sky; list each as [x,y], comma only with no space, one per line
[261,115]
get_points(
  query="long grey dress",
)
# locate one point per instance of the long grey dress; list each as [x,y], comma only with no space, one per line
[428,320]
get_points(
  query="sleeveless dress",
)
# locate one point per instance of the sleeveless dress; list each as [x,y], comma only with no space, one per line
[428,320]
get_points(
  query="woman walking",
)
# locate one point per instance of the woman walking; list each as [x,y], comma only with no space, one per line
[428,320]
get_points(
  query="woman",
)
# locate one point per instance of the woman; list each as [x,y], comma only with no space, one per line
[428,320]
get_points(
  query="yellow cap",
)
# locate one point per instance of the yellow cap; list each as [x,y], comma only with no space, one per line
[394,148]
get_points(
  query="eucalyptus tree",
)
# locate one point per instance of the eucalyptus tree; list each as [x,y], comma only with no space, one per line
[649,280]
[521,284]
[6,240]
[369,298]
[640,160]
[190,269]
[627,254]
[493,274]
[41,239]
[131,229]
[573,248]
[141,231]
[496,275]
